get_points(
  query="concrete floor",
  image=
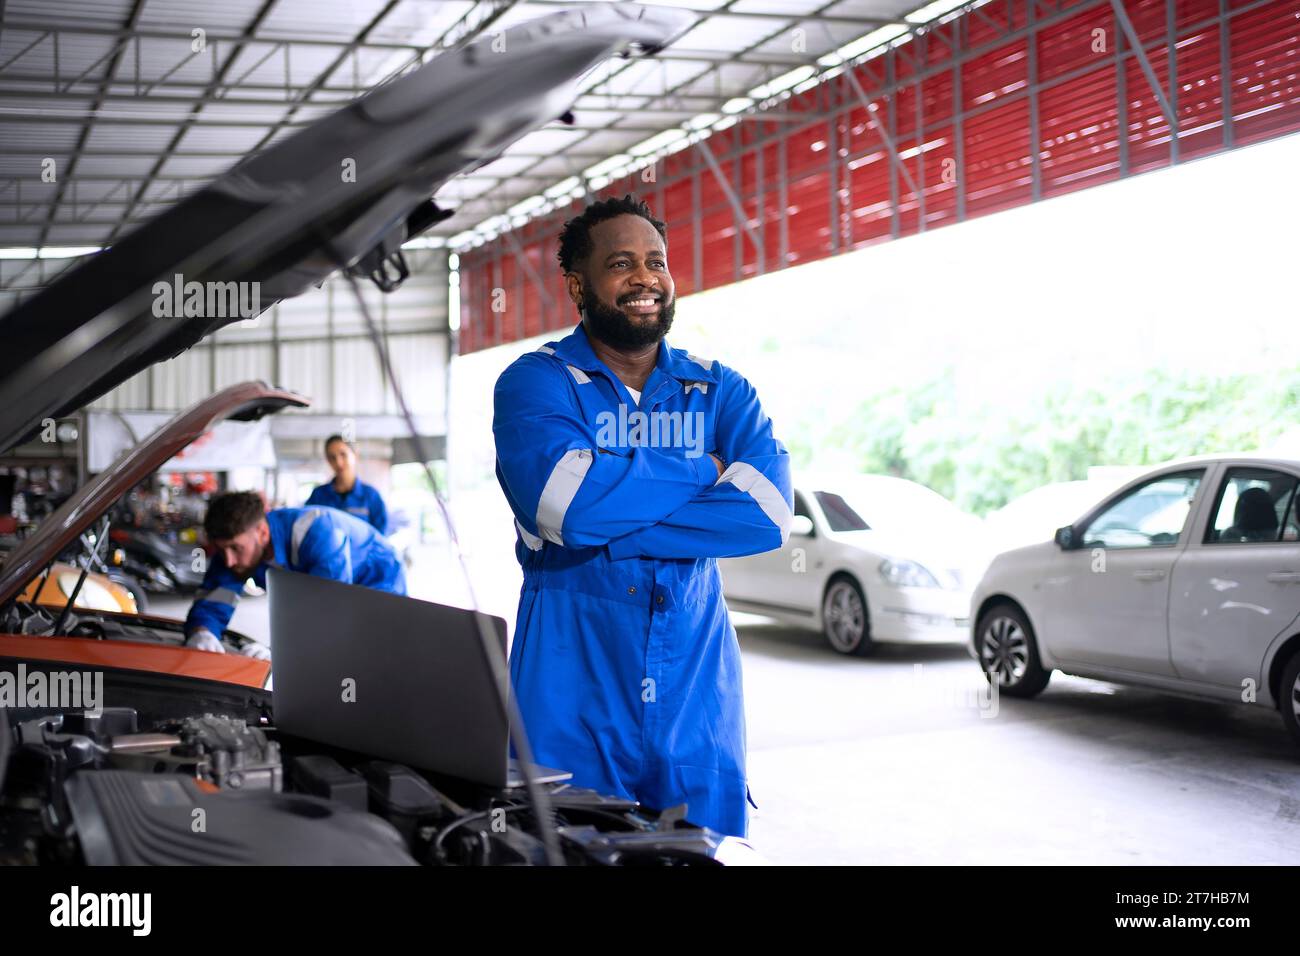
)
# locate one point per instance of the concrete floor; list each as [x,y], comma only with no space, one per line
[892,760]
[902,758]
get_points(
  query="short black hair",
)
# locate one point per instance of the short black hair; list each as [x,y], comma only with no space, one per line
[575,237]
[232,514]
[333,438]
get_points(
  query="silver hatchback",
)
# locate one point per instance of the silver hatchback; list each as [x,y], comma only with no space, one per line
[1186,579]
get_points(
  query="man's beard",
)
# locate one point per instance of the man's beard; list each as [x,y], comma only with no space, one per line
[267,555]
[618,331]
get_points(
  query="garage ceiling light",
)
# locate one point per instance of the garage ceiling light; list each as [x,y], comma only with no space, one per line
[657,142]
[606,166]
[49,252]
[782,83]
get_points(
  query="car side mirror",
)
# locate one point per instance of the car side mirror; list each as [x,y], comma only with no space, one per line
[801,525]
[1065,537]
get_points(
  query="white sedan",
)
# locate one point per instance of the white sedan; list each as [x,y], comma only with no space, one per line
[1034,516]
[870,558]
[1186,579]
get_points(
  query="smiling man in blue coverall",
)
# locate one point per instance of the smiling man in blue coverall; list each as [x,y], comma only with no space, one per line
[630,467]
[321,541]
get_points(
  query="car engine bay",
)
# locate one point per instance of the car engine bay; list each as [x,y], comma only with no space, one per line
[200,776]
[35,620]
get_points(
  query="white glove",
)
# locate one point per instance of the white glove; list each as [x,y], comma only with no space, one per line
[204,640]
[256,651]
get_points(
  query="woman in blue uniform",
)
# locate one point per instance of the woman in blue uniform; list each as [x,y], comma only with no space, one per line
[347,492]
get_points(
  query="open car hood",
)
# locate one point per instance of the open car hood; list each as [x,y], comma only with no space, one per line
[245,402]
[286,219]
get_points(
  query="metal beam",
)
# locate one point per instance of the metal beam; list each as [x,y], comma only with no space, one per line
[1121,104]
[1225,74]
[83,137]
[885,138]
[241,153]
[791,18]
[1171,61]
[47,117]
[349,91]
[204,180]
[767,58]
[250,31]
[530,269]
[132,32]
[1035,130]
[737,207]
[340,96]
[1125,24]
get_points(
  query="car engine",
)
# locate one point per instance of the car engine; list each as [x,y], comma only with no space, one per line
[129,786]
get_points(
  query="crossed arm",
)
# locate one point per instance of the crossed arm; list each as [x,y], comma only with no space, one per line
[650,502]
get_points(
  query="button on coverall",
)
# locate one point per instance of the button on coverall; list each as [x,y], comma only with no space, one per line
[321,541]
[624,661]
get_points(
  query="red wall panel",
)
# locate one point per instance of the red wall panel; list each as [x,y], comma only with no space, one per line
[1265,61]
[997,158]
[987,111]
[1079,132]
[1073,44]
[997,73]
[1200,99]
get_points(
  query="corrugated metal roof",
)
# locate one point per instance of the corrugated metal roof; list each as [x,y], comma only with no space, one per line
[107,88]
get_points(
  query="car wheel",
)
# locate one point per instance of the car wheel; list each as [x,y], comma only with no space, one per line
[845,619]
[1008,652]
[133,587]
[141,599]
[1288,697]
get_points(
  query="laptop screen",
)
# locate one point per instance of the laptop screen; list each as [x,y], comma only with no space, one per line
[389,676]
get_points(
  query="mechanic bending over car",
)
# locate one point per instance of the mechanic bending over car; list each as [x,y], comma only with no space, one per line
[322,541]
[625,664]
[347,492]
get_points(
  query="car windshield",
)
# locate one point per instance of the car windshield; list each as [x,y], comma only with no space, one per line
[839,515]
[889,504]
[1152,514]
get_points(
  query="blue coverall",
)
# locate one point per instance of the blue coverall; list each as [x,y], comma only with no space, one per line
[624,663]
[362,500]
[320,541]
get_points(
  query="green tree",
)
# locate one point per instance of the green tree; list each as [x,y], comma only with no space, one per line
[982,457]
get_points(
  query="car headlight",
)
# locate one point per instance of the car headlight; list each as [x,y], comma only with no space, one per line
[93,595]
[907,574]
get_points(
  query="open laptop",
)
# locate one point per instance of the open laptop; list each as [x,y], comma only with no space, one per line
[392,677]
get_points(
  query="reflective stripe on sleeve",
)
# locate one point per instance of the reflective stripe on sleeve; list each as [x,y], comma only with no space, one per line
[558,494]
[300,529]
[757,485]
[531,541]
[220,595]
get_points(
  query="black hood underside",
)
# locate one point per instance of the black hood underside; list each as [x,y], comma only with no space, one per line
[288,217]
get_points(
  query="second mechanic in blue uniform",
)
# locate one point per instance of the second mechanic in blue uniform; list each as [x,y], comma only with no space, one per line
[247,539]
[347,492]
